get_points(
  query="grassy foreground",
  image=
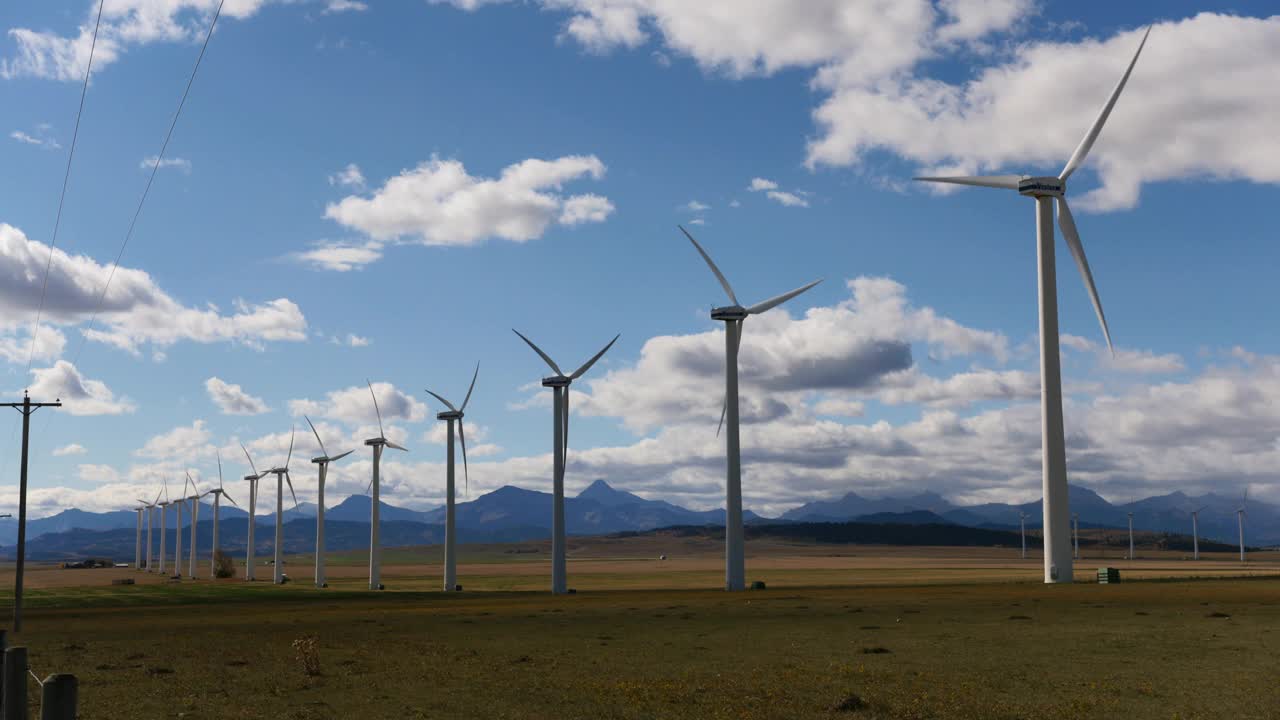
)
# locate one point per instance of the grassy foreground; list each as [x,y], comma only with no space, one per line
[1193,649]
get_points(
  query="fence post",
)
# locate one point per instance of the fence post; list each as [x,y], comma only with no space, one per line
[15,683]
[58,697]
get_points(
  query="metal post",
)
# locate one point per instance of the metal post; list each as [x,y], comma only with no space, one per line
[26,407]
[15,684]
[58,697]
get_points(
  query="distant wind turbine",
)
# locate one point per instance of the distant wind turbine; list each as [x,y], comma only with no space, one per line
[451,416]
[195,523]
[253,479]
[323,463]
[1022,525]
[1130,536]
[217,494]
[559,384]
[1075,534]
[282,476]
[1240,513]
[1046,191]
[733,316]
[375,486]
[177,531]
[163,512]
[149,507]
[1195,533]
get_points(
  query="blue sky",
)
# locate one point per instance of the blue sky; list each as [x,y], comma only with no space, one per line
[644,110]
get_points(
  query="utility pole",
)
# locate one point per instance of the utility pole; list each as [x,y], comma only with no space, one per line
[26,407]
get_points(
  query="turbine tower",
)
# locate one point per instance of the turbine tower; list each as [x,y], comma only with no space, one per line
[451,416]
[559,384]
[1075,534]
[137,538]
[195,521]
[282,477]
[1022,526]
[149,507]
[253,479]
[1240,513]
[177,535]
[375,542]
[1047,191]
[163,512]
[1195,533]
[323,463]
[217,494]
[733,317]
[1130,537]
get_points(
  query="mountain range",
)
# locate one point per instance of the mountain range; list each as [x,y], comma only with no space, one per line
[512,514]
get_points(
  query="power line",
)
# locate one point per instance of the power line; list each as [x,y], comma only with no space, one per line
[66,180]
[155,167]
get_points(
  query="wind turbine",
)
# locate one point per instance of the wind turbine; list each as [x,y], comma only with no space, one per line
[253,509]
[1195,533]
[1075,534]
[1130,537]
[177,533]
[163,512]
[559,384]
[323,463]
[1022,525]
[733,317]
[451,416]
[1047,191]
[1240,513]
[195,520]
[282,477]
[375,546]
[137,540]
[149,506]
[217,494]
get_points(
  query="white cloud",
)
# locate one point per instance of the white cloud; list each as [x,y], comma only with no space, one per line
[150,162]
[72,449]
[232,399]
[972,19]
[770,189]
[357,341]
[695,206]
[40,139]
[79,395]
[125,24]
[15,344]
[340,6]
[135,311]
[339,256]
[183,444]
[439,203]
[348,177]
[354,405]
[759,184]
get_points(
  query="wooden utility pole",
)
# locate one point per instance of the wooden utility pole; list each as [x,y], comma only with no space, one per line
[26,407]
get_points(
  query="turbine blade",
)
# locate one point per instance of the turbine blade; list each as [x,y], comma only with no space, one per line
[339,457]
[1068,225]
[398,447]
[776,301]
[724,408]
[157,500]
[564,433]
[292,432]
[474,375]
[381,433]
[466,474]
[711,264]
[446,402]
[219,454]
[250,459]
[289,482]
[587,365]
[545,358]
[323,452]
[1082,150]
[229,498]
[1004,182]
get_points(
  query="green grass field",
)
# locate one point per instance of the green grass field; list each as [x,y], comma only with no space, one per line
[932,645]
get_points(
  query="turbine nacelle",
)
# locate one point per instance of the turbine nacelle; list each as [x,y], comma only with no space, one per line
[729,313]
[449,415]
[1047,186]
[556,381]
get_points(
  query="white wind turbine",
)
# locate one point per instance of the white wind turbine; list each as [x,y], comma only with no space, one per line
[180,503]
[195,521]
[733,316]
[282,477]
[559,384]
[1240,513]
[451,416]
[217,494]
[137,540]
[149,507]
[253,479]
[1075,534]
[1047,191]
[375,486]
[1195,533]
[1130,537]
[1022,524]
[323,463]
[163,512]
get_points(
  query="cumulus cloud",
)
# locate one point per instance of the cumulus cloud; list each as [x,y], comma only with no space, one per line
[135,311]
[79,395]
[72,449]
[183,444]
[354,405]
[782,197]
[151,161]
[340,256]
[440,203]
[340,6]
[348,177]
[41,138]
[232,399]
